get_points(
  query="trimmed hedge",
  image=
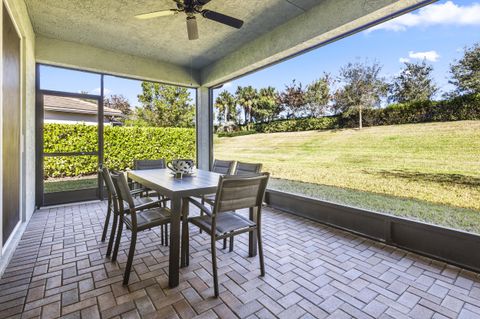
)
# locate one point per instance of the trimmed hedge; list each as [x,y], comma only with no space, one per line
[236,133]
[122,145]
[306,124]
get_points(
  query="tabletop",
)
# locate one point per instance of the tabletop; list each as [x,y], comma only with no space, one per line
[201,182]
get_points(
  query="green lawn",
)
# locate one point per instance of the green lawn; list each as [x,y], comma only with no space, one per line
[69,184]
[432,163]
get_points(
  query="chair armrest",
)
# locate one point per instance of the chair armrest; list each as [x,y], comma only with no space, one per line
[137,191]
[200,206]
[151,204]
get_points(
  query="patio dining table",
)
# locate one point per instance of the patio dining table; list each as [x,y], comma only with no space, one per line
[178,190]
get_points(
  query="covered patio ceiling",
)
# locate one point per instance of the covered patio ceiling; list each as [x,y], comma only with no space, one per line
[104,35]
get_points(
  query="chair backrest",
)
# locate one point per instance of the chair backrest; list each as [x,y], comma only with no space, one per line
[112,193]
[223,167]
[149,164]
[238,192]
[124,196]
[247,169]
[122,189]
[108,181]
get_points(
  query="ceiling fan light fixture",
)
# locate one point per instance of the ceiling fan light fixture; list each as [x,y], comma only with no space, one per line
[191,8]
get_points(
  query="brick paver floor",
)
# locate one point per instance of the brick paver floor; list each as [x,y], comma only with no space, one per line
[313,271]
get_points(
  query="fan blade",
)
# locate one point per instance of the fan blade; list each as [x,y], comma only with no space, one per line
[157,14]
[203,2]
[192,28]
[219,17]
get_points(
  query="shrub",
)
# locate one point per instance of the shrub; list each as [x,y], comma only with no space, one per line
[460,108]
[306,124]
[235,133]
[122,145]
[466,107]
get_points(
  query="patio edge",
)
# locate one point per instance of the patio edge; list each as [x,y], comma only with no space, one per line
[448,245]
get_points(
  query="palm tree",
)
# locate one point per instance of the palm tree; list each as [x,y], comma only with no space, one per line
[226,106]
[247,98]
[268,106]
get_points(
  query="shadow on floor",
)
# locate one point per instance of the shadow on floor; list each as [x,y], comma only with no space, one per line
[452,179]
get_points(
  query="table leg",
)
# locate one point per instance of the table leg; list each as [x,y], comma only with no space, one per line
[173,268]
[185,239]
[252,236]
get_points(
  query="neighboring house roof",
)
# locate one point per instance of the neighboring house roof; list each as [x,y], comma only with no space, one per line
[74,105]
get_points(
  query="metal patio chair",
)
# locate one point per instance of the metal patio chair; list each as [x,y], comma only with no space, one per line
[148,164]
[246,169]
[220,167]
[223,167]
[240,169]
[153,164]
[233,193]
[113,207]
[243,169]
[136,219]
[111,196]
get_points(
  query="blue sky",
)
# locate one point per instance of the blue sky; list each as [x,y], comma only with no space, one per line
[437,33]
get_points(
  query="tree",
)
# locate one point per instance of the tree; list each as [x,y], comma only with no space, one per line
[118,102]
[226,107]
[165,105]
[466,71]
[414,83]
[362,88]
[293,98]
[268,106]
[247,98]
[317,96]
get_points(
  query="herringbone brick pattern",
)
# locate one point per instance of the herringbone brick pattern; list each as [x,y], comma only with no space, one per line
[313,271]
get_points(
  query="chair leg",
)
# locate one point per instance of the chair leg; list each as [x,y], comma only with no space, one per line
[260,252]
[201,211]
[107,220]
[224,243]
[166,234]
[231,244]
[131,252]
[112,235]
[161,235]
[187,250]
[118,239]
[214,266]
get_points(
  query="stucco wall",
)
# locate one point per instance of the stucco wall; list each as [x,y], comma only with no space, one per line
[85,57]
[1,132]
[20,17]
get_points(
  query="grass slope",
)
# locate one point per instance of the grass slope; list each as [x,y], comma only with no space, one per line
[434,162]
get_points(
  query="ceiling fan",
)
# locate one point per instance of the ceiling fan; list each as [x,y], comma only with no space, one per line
[191,8]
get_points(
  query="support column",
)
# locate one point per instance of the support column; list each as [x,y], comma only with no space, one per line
[204,127]
[2,267]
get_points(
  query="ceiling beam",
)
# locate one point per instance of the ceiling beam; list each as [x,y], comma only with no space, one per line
[89,58]
[328,21]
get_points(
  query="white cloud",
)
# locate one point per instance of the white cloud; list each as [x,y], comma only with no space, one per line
[403,60]
[227,85]
[447,13]
[97,91]
[431,56]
